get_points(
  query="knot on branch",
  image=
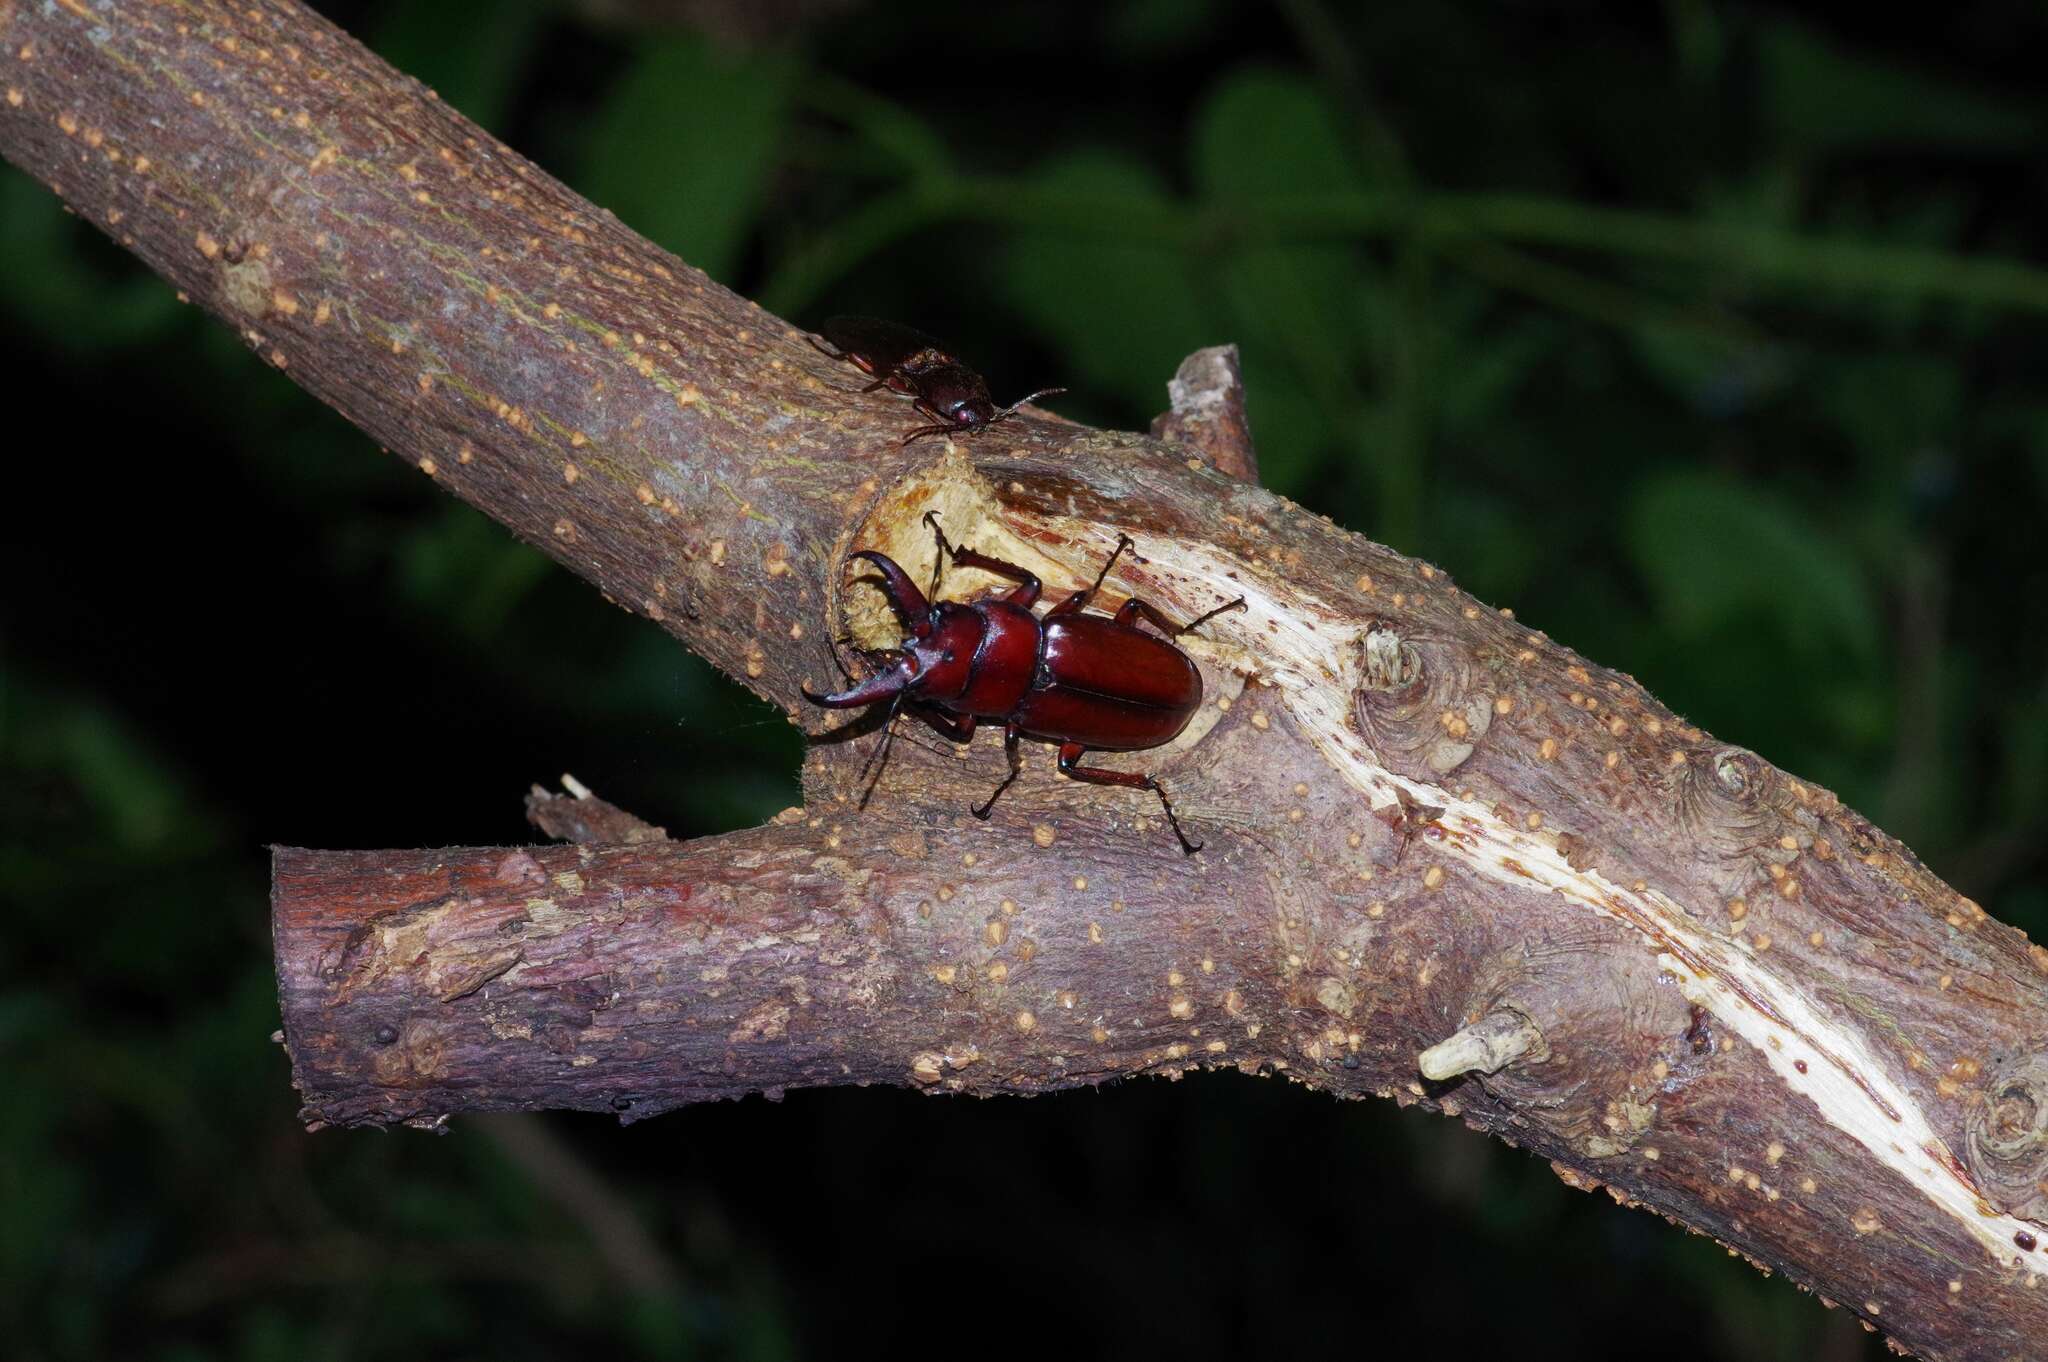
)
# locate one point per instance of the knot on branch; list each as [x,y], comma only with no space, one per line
[1735,806]
[2008,1136]
[1415,701]
[1574,1035]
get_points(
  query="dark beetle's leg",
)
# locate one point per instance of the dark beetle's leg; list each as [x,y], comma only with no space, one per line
[948,429]
[1081,598]
[1131,609]
[1016,765]
[858,361]
[861,362]
[1029,586]
[1072,752]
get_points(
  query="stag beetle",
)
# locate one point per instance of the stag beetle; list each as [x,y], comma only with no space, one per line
[910,362]
[1083,681]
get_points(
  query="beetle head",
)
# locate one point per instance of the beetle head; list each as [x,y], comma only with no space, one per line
[934,664]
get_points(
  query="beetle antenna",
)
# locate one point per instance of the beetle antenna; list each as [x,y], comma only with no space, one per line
[880,759]
[1007,412]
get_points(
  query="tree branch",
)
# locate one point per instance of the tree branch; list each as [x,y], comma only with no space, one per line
[1711,987]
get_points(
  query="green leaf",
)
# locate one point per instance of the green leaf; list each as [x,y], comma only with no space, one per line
[1266,135]
[1290,429]
[1716,552]
[684,147]
[1124,312]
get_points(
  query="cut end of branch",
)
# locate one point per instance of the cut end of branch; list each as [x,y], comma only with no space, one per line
[1207,392]
[1487,1046]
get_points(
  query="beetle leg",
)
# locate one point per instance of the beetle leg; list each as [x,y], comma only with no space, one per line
[859,361]
[1016,765]
[1072,752]
[1200,620]
[1028,587]
[878,383]
[1130,611]
[958,727]
[947,429]
[945,426]
[1080,598]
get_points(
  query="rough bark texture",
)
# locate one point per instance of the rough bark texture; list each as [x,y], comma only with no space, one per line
[1690,977]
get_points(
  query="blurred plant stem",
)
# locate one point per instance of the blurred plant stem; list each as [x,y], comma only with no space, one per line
[810,270]
[1762,255]
[1322,41]
[634,1256]
[1402,461]
[1915,786]
[1597,300]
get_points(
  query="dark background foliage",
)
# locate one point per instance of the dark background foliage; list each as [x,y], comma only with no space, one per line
[1520,288]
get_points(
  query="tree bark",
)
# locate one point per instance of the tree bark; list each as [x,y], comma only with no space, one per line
[1436,841]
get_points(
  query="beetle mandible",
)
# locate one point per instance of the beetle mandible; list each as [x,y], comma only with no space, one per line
[1086,682]
[902,360]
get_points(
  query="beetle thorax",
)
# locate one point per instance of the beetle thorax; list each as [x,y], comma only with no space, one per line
[959,393]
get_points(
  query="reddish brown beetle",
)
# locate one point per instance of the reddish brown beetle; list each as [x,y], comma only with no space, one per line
[1082,681]
[954,396]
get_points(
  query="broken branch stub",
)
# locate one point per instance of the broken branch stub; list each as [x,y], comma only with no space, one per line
[1486,1046]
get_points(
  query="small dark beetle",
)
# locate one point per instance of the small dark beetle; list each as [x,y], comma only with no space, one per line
[954,396]
[1082,681]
